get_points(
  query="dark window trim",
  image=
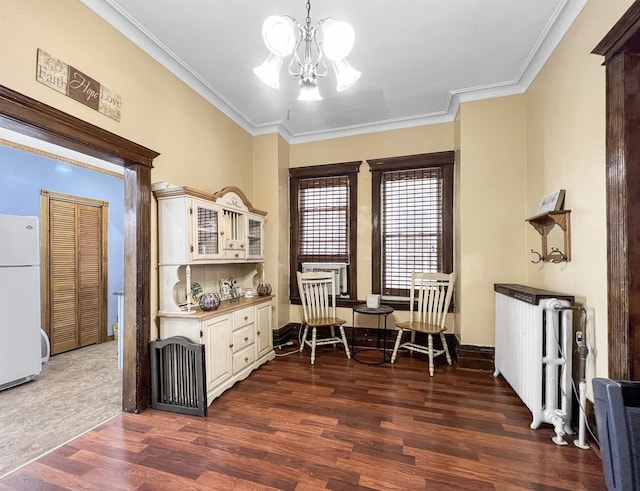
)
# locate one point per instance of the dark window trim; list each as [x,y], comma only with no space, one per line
[325,170]
[417,161]
[377,167]
[349,169]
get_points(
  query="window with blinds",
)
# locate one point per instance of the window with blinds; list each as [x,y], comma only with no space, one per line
[412,208]
[411,226]
[323,221]
[323,224]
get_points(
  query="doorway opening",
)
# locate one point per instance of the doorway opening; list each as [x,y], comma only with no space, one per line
[29,117]
[79,388]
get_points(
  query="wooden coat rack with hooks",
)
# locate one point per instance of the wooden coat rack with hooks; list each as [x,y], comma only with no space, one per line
[544,223]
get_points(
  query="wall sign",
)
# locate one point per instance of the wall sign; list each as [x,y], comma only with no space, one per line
[73,83]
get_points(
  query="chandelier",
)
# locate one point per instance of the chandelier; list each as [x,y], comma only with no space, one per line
[308,45]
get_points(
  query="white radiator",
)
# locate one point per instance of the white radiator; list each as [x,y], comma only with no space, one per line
[533,340]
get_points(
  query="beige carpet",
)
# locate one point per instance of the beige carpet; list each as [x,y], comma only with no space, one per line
[75,392]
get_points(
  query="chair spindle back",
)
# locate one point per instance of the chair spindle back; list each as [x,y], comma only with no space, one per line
[432,292]
[317,293]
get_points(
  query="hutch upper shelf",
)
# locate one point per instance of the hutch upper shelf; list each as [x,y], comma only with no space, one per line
[197,228]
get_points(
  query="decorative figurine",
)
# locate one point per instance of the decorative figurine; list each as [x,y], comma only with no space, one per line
[209,301]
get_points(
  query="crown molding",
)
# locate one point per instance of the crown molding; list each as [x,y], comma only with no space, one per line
[564,15]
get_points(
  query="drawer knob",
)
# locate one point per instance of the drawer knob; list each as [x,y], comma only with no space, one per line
[231,345]
[258,333]
[246,338]
[246,359]
[237,254]
[246,317]
[231,245]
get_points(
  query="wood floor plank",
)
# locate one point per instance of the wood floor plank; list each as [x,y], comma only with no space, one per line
[337,425]
[376,473]
[65,463]
[113,474]
[225,481]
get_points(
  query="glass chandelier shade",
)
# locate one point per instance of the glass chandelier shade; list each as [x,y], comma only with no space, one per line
[339,39]
[308,45]
[269,71]
[309,91]
[346,75]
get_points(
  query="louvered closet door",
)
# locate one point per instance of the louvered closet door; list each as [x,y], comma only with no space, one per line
[76,275]
[63,276]
[89,274]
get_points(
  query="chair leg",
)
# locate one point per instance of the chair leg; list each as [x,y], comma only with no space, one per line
[304,337]
[396,346]
[430,345]
[313,345]
[344,341]
[446,348]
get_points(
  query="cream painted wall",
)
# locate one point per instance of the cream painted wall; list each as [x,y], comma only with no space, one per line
[457,252]
[565,119]
[265,159]
[424,139]
[199,146]
[489,209]
[282,274]
[271,190]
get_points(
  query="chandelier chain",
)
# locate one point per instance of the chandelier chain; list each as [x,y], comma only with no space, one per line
[308,19]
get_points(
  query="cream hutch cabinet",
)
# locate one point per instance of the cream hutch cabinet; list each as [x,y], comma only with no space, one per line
[194,227]
[203,238]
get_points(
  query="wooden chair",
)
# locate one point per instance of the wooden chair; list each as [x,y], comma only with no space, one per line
[429,300]
[318,296]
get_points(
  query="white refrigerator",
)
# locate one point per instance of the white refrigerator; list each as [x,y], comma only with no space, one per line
[20,340]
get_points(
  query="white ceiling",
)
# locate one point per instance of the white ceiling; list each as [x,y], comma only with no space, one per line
[419,58]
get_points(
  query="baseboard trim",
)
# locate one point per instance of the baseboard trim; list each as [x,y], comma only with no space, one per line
[285,333]
[476,357]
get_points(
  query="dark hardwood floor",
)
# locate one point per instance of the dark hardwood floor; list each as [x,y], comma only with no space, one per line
[338,425]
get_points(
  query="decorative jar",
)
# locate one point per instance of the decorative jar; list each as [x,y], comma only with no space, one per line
[264,289]
[209,301]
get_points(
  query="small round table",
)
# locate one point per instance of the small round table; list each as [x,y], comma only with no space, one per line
[381,311]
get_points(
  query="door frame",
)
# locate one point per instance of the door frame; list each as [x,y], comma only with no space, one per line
[621,50]
[32,118]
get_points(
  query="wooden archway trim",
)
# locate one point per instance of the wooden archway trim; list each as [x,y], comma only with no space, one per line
[30,117]
[621,49]
[27,116]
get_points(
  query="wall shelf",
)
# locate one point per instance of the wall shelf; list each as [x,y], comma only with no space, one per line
[544,223]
